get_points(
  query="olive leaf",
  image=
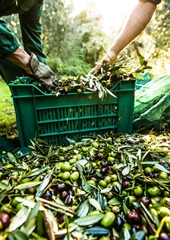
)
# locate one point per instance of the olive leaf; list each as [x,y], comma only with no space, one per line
[98,231]
[138,235]
[83,209]
[17,234]
[161,168]
[114,202]
[126,234]
[19,219]
[95,204]
[27,185]
[36,173]
[11,157]
[44,184]
[89,220]
[30,223]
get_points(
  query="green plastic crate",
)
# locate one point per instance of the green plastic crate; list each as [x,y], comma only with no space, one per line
[74,116]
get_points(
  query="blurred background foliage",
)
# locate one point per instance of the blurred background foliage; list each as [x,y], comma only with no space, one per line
[74,43]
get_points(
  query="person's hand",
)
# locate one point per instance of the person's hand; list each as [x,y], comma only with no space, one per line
[43,73]
[109,59]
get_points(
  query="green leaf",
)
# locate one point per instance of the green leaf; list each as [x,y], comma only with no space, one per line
[12,158]
[19,219]
[114,202]
[36,173]
[83,209]
[147,212]
[161,168]
[44,184]
[89,220]
[40,223]
[126,234]
[18,235]
[95,204]
[138,235]
[4,186]
[30,223]
[27,185]
[126,170]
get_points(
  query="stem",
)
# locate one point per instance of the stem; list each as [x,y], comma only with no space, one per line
[54,205]
[149,222]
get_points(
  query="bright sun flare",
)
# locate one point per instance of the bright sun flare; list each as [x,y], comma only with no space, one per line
[112,11]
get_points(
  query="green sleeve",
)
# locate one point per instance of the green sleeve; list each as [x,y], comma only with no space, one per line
[154,1]
[31,28]
[8,41]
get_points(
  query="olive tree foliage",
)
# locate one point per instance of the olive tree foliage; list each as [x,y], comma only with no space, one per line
[154,42]
[72,42]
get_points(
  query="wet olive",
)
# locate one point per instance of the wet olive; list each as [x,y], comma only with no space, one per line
[69,200]
[4,220]
[118,223]
[115,189]
[125,184]
[108,219]
[154,191]
[133,217]
[47,195]
[61,187]
[146,201]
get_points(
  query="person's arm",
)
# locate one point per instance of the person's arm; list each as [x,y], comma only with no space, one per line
[136,23]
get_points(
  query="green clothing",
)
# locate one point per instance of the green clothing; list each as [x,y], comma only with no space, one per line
[29,12]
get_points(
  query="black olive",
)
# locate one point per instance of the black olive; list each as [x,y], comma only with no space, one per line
[146,201]
[103,171]
[63,195]
[104,164]
[99,176]
[118,224]
[47,195]
[61,187]
[115,189]
[133,217]
[69,200]
[5,220]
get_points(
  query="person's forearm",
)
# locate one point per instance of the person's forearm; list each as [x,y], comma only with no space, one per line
[20,58]
[136,23]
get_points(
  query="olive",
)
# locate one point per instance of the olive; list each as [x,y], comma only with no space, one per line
[125,184]
[69,200]
[154,191]
[99,176]
[133,217]
[118,224]
[4,220]
[61,218]
[164,236]
[104,164]
[103,171]
[99,156]
[146,201]
[63,195]
[47,195]
[70,192]
[79,199]
[115,189]
[108,219]
[61,187]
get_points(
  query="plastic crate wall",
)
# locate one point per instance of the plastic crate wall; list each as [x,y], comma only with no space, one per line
[74,116]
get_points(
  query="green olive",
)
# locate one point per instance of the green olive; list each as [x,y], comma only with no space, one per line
[74,176]
[154,191]
[138,191]
[65,175]
[108,219]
